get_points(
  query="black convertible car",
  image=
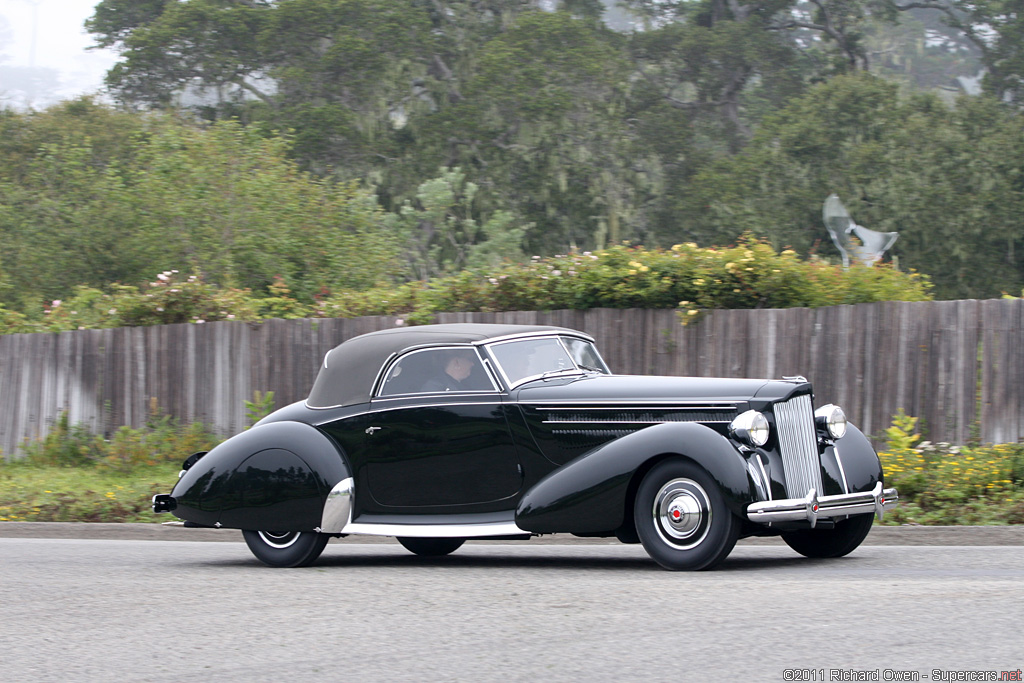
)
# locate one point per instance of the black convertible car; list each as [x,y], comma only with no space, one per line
[443,433]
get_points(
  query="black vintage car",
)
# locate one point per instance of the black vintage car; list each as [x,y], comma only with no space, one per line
[443,433]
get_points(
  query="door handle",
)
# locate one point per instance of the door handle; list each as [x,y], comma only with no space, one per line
[371,430]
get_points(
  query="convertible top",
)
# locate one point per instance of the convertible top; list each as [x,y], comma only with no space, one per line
[349,370]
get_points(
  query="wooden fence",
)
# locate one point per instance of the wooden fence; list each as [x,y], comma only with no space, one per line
[958,365]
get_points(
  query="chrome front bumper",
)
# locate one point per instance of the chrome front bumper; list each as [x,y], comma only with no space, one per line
[812,508]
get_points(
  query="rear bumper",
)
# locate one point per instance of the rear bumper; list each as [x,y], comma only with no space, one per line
[163,502]
[812,507]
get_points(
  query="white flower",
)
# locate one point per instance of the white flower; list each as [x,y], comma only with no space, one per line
[162,277]
[112,311]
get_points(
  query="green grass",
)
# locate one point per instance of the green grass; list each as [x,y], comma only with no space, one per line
[50,493]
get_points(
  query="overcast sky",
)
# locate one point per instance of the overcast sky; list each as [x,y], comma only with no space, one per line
[60,42]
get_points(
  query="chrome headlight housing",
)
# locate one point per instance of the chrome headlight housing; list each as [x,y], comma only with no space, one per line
[831,419]
[751,428]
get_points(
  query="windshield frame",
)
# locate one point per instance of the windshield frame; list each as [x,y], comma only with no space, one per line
[560,339]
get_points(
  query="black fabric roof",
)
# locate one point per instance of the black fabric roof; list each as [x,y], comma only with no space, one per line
[349,370]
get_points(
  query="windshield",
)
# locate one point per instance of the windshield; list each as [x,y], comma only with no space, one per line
[530,358]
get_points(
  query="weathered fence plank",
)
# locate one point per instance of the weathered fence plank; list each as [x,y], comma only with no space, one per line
[958,365]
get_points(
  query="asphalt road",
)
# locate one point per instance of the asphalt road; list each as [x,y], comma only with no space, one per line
[74,609]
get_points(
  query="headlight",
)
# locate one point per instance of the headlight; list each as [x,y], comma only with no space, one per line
[832,419]
[751,427]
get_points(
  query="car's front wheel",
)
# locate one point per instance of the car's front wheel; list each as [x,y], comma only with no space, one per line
[285,548]
[681,517]
[431,547]
[842,539]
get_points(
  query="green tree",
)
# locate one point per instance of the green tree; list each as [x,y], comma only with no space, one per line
[222,201]
[945,179]
[441,236]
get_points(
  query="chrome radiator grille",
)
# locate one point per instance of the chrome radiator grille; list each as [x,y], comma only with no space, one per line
[799,446]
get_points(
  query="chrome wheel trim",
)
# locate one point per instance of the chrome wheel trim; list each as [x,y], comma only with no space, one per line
[682,513]
[279,540]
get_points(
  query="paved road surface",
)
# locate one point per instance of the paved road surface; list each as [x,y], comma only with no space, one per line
[116,610]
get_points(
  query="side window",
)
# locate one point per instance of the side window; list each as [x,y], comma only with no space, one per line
[437,370]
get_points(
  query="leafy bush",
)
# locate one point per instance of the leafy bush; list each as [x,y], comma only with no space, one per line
[944,484]
[162,440]
[748,275]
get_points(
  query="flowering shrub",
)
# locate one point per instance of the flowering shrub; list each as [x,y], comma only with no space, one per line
[692,279]
[749,275]
[944,484]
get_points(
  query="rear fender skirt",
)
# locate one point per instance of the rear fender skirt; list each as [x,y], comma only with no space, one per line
[858,459]
[274,477]
[589,494]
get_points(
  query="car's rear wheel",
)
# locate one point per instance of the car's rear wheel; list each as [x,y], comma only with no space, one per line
[285,548]
[431,547]
[681,517]
[842,539]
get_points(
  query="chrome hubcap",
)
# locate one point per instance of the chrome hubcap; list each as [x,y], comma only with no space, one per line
[277,539]
[682,513]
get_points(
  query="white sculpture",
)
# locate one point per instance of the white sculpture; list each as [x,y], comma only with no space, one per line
[872,244]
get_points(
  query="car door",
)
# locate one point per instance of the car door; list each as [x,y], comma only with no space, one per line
[431,445]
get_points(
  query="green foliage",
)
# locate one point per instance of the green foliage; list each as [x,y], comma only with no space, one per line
[944,484]
[162,440]
[940,177]
[748,275]
[261,405]
[66,445]
[219,201]
[900,435]
[441,236]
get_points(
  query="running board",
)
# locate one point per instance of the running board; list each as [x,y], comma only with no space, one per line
[494,529]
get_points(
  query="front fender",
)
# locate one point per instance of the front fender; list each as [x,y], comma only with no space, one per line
[275,477]
[859,462]
[590,493]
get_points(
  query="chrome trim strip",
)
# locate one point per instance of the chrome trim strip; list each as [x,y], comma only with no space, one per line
[839,461]
[442,404]
[764,473]
[435,530]
[812,507]
[627,422]
[337,512]
[615,404]
[681,405]
[433,394]
[553,332]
